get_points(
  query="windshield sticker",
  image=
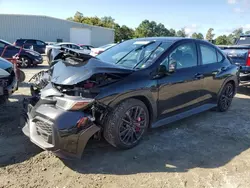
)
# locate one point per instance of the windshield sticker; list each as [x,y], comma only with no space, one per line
[242,38]
[142,42]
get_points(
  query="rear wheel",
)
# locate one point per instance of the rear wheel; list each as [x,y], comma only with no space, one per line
[127,124]
[24,62]
[226,97]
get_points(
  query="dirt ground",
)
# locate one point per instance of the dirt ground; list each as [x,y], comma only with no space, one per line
[208,150]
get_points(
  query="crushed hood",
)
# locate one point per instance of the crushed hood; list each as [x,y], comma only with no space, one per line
[70,72]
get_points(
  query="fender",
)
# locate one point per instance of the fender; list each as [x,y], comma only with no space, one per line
[229,79]
[146,97]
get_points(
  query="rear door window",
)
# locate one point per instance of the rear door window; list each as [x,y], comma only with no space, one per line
[220,57]
[208,54]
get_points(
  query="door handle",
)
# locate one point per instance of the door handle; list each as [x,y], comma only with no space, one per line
[198,76]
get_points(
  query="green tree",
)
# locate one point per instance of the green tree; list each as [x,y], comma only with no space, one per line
[197,36]
[247,32]
[145,29]
[181,33]
[231,39]
[222,40]
[172,32]
[151,29]
[238,32]
[108,21]
[194,35]
[210,35]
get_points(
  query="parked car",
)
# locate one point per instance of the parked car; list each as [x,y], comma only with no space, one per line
[66,45]
[239,53]
[50,43]
[136,85]
[8,80]
[86,47]
[26,57]
[99,50]
[36,45]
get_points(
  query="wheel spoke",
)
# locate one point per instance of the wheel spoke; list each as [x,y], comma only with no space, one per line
[123,132]
[139,114]
[136,111]
[129,116]
[124,138]
[126,121]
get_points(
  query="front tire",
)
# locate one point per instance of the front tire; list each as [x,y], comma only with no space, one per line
[226,97]
[126,124]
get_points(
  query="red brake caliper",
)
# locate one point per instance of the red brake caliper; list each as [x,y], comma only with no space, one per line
[137,129]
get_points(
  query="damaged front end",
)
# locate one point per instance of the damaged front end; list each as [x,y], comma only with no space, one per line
[66,113]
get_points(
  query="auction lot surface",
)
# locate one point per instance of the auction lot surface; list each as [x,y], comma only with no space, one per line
[208,150]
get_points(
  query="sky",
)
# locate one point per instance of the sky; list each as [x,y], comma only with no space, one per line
[194,15]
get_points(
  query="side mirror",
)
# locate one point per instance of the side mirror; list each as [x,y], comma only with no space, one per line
[172,66]
[162,70]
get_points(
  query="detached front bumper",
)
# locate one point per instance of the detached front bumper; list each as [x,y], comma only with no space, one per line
[56,130]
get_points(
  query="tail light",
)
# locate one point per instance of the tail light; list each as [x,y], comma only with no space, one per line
[76,103]
[248,59]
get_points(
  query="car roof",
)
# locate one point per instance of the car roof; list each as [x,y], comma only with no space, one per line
[27,39]
[169,39]
[161,39]
[60,43]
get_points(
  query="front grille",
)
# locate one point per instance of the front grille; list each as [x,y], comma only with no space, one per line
[44,130]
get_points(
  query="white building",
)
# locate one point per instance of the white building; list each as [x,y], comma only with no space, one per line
[50,29]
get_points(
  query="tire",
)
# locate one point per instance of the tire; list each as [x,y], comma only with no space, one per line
[21,76]
[25,62]
[226,97]
[126,124]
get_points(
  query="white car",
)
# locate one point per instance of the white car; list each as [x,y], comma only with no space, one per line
[97,51]
[67,45]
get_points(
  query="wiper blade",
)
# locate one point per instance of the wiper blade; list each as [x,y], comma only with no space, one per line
[147,57]
[135,49]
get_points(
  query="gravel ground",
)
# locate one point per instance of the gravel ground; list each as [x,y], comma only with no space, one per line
[207,150]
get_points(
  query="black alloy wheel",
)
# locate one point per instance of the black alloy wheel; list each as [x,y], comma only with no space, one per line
[226,97]
[126,124]
[133,125]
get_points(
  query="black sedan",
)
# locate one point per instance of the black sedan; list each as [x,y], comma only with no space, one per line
[27,57]
[136,85]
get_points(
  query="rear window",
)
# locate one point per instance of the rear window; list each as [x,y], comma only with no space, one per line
[243,40]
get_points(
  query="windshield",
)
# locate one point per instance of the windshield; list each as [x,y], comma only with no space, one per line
[134,54]
[243,40]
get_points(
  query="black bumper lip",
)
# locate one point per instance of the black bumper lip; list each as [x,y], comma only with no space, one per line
[71,146]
